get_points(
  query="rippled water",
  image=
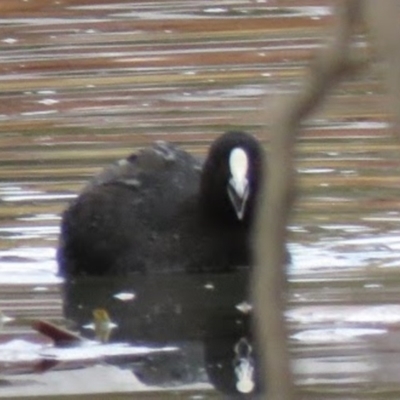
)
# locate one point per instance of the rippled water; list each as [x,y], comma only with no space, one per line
[83,83]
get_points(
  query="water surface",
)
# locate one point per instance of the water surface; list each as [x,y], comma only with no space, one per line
[83,83]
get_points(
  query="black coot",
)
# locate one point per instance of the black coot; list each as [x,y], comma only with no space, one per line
[161,209]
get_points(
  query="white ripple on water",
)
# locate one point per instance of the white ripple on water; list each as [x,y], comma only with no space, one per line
[40,217]
[337,252]
[37,196]
[28,265]
[346,314]
[29,232]
[335,335]
[363,321]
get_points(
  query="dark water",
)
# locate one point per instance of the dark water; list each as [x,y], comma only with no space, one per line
[83,83]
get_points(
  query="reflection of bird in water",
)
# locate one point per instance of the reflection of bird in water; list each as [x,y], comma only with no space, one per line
[102,325]
[244,366]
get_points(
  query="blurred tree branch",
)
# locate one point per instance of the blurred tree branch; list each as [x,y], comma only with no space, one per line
[382,20]
[331,64]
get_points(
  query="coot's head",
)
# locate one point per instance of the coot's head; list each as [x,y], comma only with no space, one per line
[231,177]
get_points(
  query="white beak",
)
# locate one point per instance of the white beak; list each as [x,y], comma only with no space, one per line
[238,187]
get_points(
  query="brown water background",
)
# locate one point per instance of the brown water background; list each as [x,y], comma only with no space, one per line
[84,82]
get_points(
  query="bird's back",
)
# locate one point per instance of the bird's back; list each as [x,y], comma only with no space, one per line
[128,216]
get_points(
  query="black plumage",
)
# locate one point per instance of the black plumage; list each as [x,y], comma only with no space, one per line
[161,209]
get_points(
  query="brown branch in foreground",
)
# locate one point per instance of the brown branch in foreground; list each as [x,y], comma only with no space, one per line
[269,276]
[382,19]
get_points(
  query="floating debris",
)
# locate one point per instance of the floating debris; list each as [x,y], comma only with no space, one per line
[60,336]
[244,307]
[125,296]
[102,325]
